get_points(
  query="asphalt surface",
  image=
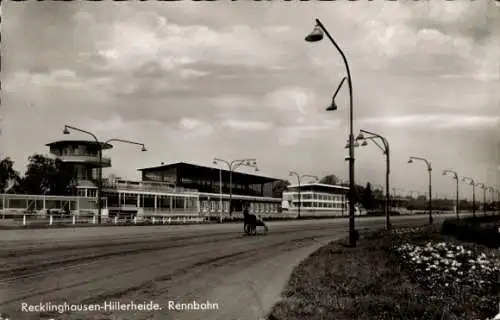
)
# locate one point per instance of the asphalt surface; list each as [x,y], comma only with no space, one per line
[240,276]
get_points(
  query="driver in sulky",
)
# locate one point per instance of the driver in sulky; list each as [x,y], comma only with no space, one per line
[251,219]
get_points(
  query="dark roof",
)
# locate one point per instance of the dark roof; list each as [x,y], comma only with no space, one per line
[63,143]
[182,164]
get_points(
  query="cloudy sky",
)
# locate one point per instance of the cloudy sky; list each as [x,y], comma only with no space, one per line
[236,79]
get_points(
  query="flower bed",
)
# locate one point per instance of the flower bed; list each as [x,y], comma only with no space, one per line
[410,273]
[465,276]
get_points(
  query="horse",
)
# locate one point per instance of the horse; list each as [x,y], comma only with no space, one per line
[250,223]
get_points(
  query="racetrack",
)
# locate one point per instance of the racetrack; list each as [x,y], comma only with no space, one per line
[217,263]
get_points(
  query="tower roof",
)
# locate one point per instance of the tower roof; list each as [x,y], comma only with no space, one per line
[62,143]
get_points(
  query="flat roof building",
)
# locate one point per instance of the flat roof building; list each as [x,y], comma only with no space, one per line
[314,199]
[216,187]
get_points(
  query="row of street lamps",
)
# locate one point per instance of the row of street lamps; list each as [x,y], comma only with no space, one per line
[317,35]
[232,165]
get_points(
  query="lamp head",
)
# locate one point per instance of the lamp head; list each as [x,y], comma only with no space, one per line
[332,106]
[65,131]
[143,149]
[315,35]
[364,143]
[410,160]
[360,136]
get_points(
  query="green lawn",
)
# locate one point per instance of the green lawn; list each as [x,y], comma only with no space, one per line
[389,276]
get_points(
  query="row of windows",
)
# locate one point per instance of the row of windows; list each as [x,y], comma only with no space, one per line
[148,201]
[76,150]
[318,197]
[92,193]
[206,205]
[169,177]
[257,188]
[322,205]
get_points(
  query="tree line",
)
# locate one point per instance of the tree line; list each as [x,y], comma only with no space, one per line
[43,175]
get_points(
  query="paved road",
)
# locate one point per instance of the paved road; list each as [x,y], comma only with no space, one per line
[214,263]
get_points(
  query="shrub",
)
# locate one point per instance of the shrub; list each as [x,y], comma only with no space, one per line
[473,230]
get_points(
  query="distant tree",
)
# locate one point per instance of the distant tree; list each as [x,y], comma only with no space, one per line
[368,200]
[279,187]
[330,179]
[61,179]
[8,176]
[46,176]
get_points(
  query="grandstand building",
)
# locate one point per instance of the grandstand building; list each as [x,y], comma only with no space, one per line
[176,189]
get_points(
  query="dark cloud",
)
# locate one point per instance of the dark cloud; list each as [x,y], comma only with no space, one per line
[478,20]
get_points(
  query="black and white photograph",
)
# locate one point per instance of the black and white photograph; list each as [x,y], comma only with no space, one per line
[250,160]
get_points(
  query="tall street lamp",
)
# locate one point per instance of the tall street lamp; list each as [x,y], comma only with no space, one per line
[395,191]
[395,197]
[315,36]
[484,187]
[411,192]
[233,165]
[456,177]
[299,181]
[385,149]
[429,170]
[473,184]
[492,191]
[99,170]
[497,198]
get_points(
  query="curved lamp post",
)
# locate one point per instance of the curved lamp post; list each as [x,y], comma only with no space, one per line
[473,184]
[299,181]
[484,187]
[395,196]
[233,165]
[67,129]
[395,191]
[315,36]
[498,199]
[492,190]
[429,170]
[411,192]
[456,177]
[364,136]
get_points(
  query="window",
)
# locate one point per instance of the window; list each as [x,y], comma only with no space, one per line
[186,180]
[179,203]
[129,199]
[191,203]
